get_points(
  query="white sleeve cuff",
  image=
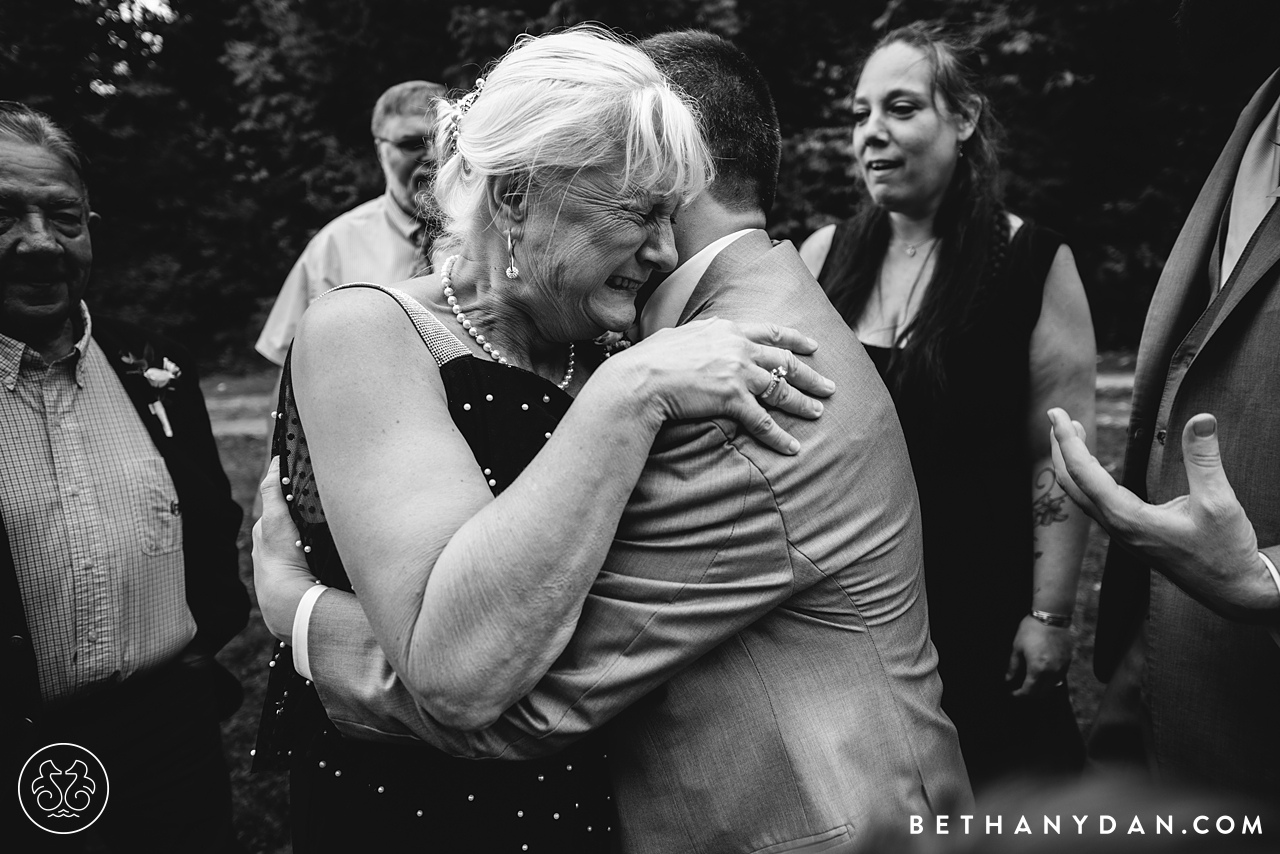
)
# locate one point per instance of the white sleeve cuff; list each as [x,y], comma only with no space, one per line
[1275,576]
[302,619]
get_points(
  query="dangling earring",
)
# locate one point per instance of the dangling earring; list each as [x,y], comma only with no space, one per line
[513,272]
[959,148]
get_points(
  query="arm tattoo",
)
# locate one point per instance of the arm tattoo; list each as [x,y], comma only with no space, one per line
[1047,508]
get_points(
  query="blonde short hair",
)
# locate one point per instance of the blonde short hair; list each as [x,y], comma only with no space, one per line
[557,104]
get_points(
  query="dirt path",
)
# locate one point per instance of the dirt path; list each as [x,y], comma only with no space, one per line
[238,412]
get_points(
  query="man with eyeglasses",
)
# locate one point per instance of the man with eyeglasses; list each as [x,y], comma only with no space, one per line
[384,240]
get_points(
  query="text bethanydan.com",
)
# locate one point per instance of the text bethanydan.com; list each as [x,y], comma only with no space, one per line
[1082,825]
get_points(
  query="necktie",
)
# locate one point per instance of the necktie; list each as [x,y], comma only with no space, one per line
[1255,190]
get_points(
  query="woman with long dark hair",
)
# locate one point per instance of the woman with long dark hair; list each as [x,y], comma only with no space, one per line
[978,323]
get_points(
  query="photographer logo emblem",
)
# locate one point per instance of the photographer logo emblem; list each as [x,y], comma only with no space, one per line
[63,788]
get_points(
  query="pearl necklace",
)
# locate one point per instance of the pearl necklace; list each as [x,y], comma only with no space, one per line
[446,279]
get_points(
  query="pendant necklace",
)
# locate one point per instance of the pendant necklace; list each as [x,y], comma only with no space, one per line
[912,248]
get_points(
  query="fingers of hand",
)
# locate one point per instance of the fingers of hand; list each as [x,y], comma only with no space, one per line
[772,380]
[789,399]
[784,337]
[760,424]
[808,380]
[1077,470]
[1064,477]
[270,480]
[1015,665]
[798,373]
[1201,456]
[259,542]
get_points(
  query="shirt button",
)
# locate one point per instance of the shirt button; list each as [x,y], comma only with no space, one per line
[93,636]
[1161,435]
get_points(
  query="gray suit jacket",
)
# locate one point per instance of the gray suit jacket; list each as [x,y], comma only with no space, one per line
[758,634]
[1208,680]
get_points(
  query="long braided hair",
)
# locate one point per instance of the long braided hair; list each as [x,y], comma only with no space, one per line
[971,223]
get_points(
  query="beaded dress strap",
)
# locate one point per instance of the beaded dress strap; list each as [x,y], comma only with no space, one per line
[443,344]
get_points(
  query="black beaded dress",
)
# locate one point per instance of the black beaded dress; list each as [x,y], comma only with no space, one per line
[350,795]
[970,453]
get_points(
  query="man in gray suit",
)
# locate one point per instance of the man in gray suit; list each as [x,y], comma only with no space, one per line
[758,639]
[1192,667]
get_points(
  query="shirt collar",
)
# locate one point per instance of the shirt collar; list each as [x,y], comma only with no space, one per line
[1275,152]
[669,299]
[402,222]
[13,352]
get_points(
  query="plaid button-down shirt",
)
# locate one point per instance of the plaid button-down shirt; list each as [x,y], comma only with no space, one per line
[93,521]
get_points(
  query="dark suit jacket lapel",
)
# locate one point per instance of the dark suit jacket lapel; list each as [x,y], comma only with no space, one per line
[139,390]
[1176,305]
[1260,256]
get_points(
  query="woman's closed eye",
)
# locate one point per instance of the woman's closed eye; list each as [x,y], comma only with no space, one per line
[903,109]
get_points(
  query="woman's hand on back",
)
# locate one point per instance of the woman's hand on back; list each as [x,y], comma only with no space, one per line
[280,572]
[718,368]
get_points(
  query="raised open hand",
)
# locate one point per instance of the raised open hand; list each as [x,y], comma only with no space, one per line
[1202,541]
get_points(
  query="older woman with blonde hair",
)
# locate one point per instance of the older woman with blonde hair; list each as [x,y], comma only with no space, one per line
[466,502]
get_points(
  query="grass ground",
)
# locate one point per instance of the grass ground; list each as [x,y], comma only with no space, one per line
[239,406]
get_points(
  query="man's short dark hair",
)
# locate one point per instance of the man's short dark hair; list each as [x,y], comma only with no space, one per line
[410,98]
[736,113]
[19,123]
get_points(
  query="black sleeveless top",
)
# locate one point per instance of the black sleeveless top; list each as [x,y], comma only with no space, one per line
[971,457]
[350,794]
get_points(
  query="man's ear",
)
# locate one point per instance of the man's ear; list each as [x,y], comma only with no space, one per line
[94,218]
[508,197]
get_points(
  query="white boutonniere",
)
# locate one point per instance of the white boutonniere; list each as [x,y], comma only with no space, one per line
[160,379]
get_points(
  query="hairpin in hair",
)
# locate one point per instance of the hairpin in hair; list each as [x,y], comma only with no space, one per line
[464,104]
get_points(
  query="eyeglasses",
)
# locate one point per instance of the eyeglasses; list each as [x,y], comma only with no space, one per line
[412,146]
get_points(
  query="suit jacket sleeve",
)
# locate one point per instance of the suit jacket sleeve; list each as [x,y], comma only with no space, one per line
[700,554]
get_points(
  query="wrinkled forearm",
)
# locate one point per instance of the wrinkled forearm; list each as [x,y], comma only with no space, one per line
[679,581]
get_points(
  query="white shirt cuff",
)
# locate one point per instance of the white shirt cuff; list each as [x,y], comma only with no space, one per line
[1275,576]
[302,619]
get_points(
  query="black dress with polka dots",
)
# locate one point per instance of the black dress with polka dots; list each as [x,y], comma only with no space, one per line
[355,795]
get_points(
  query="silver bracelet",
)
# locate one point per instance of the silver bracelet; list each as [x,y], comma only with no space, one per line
[1057,621]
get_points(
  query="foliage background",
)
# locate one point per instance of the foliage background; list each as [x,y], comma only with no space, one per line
[221,134]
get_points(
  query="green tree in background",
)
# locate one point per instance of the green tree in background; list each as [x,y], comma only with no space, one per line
[222,134]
